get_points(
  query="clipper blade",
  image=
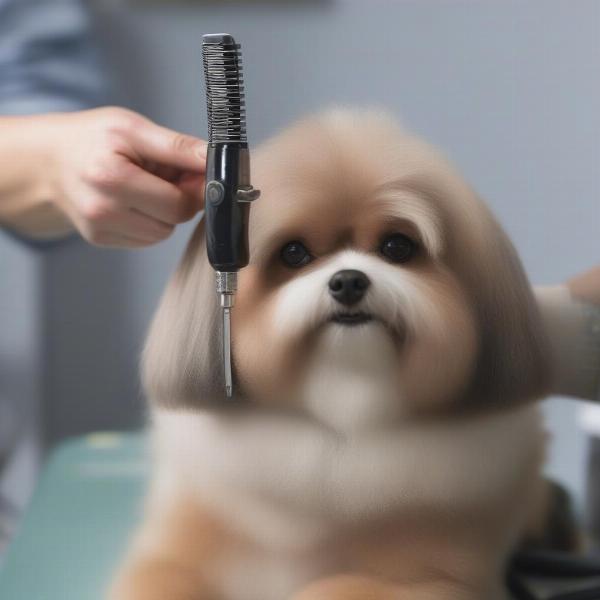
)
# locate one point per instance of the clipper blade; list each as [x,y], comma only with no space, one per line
[227,351]
[224,88]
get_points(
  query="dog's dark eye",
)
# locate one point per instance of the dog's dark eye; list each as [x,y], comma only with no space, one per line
[398,247]
[295,254]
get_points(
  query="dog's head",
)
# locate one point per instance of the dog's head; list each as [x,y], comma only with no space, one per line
[379,286]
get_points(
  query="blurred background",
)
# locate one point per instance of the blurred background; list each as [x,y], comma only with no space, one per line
[510,90]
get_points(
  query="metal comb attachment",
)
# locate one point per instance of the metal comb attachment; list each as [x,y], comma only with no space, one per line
[224,89]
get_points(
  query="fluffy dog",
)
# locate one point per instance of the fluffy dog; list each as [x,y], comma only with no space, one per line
[383,443]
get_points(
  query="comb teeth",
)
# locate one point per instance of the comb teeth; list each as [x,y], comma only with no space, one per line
[224,89]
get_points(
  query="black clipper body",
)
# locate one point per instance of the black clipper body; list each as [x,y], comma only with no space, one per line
[227,196]
[228,191]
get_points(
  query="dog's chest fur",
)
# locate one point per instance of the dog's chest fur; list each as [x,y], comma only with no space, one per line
[307,495]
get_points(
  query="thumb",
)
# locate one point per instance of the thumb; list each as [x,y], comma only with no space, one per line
[167,147]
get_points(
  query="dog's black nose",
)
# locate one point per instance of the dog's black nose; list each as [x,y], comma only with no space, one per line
[348,286]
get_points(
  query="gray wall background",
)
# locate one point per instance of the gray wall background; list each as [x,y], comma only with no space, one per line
[509,89]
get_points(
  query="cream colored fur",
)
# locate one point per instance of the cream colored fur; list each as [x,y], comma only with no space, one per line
[394,460]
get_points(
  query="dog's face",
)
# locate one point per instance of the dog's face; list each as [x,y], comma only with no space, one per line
[378,287]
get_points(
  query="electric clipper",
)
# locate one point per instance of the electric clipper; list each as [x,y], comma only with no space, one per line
[228,191]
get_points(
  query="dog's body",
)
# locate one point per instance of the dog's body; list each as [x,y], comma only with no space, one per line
[381,446]
[309,503]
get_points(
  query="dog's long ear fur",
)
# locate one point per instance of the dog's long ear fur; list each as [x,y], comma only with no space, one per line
[181,362]
[513,361]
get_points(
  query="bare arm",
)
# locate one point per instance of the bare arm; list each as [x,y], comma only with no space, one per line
[27,195]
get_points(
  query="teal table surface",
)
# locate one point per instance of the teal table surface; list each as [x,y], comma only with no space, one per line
[77,526]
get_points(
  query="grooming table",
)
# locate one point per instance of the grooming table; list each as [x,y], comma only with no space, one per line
[77,527]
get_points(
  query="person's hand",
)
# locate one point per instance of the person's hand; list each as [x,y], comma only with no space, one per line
[122,180]
[586,286]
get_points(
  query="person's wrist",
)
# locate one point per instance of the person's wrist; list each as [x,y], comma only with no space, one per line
[47,147]
[37,212]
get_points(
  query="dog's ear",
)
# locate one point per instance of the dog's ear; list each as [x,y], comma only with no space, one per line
[182,359]
[513,362]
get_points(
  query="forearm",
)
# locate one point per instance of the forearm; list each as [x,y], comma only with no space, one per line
[571,314]
[27,187]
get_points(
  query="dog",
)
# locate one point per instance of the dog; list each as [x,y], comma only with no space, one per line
[384,442]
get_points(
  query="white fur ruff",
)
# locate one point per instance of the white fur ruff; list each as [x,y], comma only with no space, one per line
[289,482]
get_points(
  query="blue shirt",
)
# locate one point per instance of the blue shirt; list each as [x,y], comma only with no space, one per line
[48,60]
